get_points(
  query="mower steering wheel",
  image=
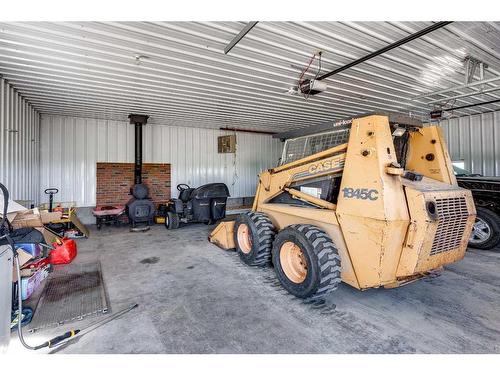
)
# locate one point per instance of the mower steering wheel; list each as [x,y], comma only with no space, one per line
[51,191]
[182,187]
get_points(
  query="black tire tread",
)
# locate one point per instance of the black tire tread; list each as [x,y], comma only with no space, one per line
[265,235]
[328,259]
[493,220]
[173,220]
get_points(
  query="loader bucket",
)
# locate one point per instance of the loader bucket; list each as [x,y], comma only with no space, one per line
[223,236]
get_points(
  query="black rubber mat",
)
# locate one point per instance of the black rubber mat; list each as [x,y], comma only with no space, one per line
[72,292]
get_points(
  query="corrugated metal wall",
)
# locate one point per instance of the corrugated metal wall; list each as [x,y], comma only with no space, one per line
[71,147]
[19,144]
[475,140]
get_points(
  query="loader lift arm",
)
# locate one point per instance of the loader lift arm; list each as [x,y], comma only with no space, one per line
[278,180]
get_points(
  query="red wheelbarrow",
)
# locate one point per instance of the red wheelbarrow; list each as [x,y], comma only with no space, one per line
[108,215]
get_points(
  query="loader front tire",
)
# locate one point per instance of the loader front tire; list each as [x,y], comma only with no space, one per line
[253,236]
[306,262]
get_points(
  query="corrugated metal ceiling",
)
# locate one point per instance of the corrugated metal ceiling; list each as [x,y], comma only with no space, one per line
[89,69]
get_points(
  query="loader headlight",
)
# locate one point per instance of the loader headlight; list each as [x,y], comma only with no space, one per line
[431,210]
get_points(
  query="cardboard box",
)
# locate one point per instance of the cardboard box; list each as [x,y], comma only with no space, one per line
[27,219]
[71,217]
[77,223]
[48,217]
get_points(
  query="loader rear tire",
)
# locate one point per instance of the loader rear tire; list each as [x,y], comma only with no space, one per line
[306,262]
[253,237]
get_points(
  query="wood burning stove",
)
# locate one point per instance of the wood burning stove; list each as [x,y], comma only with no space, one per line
[140,209]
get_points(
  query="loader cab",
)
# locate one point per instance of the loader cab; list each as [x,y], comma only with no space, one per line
[327,187]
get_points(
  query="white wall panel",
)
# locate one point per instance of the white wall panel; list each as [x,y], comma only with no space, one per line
[19,144]
[475,140]
[71,147]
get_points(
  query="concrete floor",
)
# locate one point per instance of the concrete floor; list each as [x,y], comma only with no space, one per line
[195,298]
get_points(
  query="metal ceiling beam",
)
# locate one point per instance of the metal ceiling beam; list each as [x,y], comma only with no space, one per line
[247,131]
[249,26]
[464,95]
[455,88]
[396,44]
[472,105]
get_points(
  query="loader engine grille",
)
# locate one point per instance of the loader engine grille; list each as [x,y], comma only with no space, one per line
[452,215]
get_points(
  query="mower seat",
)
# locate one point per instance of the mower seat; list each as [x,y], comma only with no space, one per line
[185,195]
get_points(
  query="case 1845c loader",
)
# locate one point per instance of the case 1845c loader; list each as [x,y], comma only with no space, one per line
[382,209]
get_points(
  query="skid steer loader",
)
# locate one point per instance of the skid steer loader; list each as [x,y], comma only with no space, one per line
[382,209]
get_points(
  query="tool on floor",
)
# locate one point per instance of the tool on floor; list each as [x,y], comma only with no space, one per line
[58,340]
[51,192]
[89,328]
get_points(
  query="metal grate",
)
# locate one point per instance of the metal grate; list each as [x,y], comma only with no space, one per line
[73,291]
[298,148]
[452,215]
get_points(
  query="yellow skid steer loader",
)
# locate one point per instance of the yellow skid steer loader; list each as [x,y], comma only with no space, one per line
[382,209]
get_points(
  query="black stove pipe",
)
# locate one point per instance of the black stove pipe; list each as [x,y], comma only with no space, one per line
[138,154]
[138,121]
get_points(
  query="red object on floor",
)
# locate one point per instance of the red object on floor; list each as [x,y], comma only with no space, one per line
[63,252]
[36,263]
[108,210]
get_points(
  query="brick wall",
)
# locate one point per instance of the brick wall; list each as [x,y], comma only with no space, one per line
[114,181]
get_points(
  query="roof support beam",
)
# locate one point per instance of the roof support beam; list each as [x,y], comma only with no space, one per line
[249,26]
[440,100]
[471,105]
[455,88]
[396,44]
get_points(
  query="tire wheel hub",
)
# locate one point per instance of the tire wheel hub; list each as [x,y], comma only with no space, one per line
[481,232]
[244,238]
[293,262]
